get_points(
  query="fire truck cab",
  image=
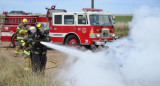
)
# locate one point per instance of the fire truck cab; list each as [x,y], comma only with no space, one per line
[89,29]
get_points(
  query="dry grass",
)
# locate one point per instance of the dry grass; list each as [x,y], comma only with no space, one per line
[121,29]
[121,25]
[1,21]
[12,74]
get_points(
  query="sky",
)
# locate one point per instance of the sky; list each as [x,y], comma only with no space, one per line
[113,6]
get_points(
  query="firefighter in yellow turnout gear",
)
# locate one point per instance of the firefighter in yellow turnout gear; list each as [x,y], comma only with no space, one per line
[21,32]
[27,49]
[26,55]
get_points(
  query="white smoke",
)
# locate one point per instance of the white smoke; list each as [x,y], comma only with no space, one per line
[131,61]
[141,64]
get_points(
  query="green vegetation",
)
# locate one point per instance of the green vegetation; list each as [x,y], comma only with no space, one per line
[123,18]
[12,74]
[121,25]
[1,21]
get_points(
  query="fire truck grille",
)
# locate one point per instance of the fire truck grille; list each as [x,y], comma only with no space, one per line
[105,33]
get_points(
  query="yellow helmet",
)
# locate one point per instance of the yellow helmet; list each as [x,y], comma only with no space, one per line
[25,20]
[39,25]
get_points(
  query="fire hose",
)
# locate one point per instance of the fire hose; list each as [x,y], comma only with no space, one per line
[12,40]
[56,64]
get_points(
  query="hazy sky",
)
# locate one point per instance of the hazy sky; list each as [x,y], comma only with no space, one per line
[114,6]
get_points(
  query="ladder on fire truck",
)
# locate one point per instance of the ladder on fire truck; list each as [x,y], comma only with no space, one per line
[16,20]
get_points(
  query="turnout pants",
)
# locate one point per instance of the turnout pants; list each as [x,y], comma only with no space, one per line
[26,55]
[18,46]
[39,61]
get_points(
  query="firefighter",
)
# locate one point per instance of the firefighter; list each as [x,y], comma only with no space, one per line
[21,32]
[27,48]
[38,51]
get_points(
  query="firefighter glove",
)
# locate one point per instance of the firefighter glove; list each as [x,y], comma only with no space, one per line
[24,32]
[26,44]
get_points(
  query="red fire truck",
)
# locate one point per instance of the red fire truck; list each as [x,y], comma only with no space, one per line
[90,28]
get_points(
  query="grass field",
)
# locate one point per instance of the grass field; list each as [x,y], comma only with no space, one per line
[13,74]
[123,18]
[121,25]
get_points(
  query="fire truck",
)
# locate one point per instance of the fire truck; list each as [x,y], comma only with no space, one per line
[90,28]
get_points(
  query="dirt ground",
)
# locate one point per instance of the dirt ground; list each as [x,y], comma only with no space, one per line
[52,55]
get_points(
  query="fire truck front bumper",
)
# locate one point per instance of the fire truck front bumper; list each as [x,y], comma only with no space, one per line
[100,42]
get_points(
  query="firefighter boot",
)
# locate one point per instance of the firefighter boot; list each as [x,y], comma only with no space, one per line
[27,64]
[17,50]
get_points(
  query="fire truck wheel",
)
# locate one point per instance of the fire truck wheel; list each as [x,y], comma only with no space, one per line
[72,40]
[87,47]
[94,48]
[91,47]
[14,42]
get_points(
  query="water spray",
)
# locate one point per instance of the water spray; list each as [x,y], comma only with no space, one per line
[67,50]
[138,53]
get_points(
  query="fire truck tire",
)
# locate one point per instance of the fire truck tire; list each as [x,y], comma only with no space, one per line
[87,47]
[94,48]
[72,40]
[91,47]
[13,42]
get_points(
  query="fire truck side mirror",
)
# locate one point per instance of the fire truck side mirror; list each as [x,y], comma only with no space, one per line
[113,17]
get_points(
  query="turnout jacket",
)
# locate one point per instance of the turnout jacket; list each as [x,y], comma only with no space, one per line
[22,31]
[35,39]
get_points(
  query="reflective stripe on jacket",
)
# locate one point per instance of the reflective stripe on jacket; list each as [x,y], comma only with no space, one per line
[26,52]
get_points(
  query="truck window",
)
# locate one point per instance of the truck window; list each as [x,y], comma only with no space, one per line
[100,20]
[58,19]
[81,20]
[68,19]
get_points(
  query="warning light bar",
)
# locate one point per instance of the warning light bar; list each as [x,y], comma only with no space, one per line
[90,9]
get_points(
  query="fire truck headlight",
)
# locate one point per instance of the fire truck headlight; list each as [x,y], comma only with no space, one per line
[90,35]
[112,35]
[98,35]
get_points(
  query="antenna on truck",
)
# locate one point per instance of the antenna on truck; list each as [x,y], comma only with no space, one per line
[92,5]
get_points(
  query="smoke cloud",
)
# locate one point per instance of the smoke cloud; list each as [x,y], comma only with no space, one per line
[130,61]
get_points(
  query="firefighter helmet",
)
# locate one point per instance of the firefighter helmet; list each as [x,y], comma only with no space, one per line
[40,25]
[25,20]
[32,29]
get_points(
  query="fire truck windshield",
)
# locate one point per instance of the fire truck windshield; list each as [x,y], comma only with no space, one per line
[100,20]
